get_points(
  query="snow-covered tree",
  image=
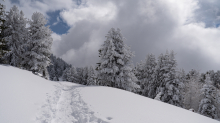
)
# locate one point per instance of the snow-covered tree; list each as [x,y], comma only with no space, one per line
[149,75]
[160,72]
[16,36]
[216,79]
[2,16]
[57,67]
[39,45]
[181,76]
[83,75]
[192,90]
[3,44]
[52,74]
[70,75]
[64,76]
[207,105]
[171,86]
[80,75]
[158,96]
[91,80]
[115,65]
[139,73]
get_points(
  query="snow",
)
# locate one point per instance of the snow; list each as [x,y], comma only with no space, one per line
[21,94]
[28,98]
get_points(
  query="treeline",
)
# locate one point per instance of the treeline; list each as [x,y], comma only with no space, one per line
[25,43]
[59,70]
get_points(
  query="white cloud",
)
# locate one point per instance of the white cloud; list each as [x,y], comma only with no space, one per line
[56,42]
[195,36]
[90,12]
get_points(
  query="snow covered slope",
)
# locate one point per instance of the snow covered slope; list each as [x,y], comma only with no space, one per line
[21,94]
[27,98]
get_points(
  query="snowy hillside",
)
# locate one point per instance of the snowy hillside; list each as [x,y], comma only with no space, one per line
[27,98]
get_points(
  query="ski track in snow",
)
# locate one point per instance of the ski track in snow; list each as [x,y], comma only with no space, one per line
[66,106]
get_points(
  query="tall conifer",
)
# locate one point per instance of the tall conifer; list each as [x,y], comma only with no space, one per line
[115,65]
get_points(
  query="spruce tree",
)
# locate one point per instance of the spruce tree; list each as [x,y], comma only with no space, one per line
[216,79]
[85,75]
[139,73]
[115,65]
[192,90]
[3,44]
[207,105]
[52,74]
[149,75]
[91,80]
[70,75]
[39,45]
[80,75]
[181,76]
[171,88]
[64,76]
[16,36]
[57,67]
[160,71]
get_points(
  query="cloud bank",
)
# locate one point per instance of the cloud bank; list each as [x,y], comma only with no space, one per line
[189,27]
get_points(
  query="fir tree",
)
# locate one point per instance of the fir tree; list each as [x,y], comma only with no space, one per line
[115,66]
[85,75]
[216,79]
[3,44]
[57,67]
[139,73]
[70,75]
[52,74]
[64,76]
[16,36]
[149,75]
[192,90]
[82,75]
[207,105]
[91,80]
[181,76]
[171,88]
[160,72]
[39,45]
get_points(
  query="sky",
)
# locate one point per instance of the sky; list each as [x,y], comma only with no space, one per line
[189,27]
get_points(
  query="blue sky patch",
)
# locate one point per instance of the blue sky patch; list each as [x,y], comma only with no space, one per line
[15,1]
[56,23]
